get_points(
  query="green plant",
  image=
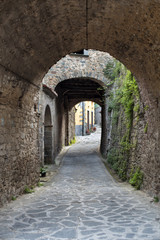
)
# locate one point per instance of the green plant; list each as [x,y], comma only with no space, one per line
[146,108]
[43,170]
[132,172]
[28,190]
[117,163]
[136,108]
[136,179]
[124,105]
[112,70]
[129,92]
[108,71]
[146,128]
[156,199]
[115,166]
[112,157]
[14,198]
[122,170]
[39,184]
[72,141]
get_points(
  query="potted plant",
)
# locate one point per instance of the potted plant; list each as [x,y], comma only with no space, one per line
[91,130]
[94,129]
[43,171]
[88,132]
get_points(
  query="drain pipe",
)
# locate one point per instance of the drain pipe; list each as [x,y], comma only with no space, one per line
[83,118]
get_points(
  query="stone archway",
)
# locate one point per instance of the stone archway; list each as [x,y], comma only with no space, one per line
[47,136]
[128,31]
[75,90]
[36,34]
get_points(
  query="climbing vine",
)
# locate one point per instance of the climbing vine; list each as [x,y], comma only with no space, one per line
[123,104]
[136,178]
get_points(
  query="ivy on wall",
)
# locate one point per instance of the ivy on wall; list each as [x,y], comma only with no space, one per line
[123,105]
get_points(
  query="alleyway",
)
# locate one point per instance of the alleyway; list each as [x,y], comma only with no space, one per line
[83,202]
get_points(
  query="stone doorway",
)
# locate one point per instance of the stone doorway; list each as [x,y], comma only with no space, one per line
[47,136]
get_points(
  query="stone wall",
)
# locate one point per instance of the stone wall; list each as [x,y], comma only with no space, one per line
[78,67]
[146,134]
[19,157]
[58,122]
[143,150]
[45,101]
[29,46]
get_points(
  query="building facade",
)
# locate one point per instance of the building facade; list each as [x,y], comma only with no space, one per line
[84,117]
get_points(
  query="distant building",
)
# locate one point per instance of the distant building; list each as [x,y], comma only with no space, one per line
[97,114]
[84,117]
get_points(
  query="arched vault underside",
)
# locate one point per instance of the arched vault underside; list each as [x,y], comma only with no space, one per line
[36,34]
[80,89]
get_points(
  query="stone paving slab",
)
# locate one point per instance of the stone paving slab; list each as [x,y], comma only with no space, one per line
[83,202]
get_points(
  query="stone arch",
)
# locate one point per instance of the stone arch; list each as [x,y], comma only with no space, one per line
[81,89]
[48,136]
[78,67]
[74,90]
[36,34]
[128,31]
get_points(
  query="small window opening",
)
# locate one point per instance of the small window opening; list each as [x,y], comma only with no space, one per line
[82,53]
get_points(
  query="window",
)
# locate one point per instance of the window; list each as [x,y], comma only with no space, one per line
[82,53]
[91,119]
[88,120]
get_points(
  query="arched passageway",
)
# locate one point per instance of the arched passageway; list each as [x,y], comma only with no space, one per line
[35,35]
[48,136]
[76,90]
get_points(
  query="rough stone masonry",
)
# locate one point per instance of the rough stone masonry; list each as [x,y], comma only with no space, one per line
[35,35]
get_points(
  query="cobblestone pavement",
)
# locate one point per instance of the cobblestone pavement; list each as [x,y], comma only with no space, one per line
[83,202]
